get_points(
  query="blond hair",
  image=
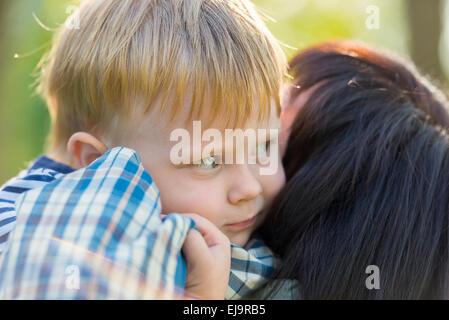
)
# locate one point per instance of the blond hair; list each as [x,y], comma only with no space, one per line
[128,54]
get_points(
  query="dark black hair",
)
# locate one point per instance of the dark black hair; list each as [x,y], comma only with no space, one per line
[367,166]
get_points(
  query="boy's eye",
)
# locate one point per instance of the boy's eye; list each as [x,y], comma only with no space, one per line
[263,148]
[209,163]
[263,153]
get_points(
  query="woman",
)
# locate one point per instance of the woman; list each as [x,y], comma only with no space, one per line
[367,168]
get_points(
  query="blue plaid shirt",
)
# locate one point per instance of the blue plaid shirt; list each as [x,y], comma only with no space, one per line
[96,233]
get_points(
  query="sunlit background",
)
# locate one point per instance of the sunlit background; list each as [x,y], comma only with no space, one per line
[411,28]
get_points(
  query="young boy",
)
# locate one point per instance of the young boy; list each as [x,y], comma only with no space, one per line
[137,71]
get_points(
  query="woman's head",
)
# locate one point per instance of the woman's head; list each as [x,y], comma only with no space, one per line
[367,165]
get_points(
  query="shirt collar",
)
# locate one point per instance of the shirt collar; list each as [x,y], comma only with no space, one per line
[47,163]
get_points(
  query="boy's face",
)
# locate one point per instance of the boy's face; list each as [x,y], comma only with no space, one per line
[231,195]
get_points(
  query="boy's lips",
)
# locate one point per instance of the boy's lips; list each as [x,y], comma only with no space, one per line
[241,225]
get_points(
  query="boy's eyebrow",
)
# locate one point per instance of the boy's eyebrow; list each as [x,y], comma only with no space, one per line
[271,134]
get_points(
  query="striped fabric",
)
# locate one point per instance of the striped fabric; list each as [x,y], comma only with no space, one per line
[96,233]
[251,268]
[43,171]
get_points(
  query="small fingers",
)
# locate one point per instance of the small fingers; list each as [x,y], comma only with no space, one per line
[194,246]
[212,235]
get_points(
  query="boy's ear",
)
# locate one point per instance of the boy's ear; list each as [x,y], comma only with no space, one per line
[85,148]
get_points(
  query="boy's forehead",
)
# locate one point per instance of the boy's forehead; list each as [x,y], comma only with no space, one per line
[163,134]
[261,130]
[252,123]
[223,141]
[163,123]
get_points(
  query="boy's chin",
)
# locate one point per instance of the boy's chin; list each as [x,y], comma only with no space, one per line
[239,238]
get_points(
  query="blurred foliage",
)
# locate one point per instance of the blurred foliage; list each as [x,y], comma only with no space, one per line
[24,120]
[300,23]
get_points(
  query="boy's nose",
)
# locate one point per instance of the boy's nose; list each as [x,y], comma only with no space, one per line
[245,186]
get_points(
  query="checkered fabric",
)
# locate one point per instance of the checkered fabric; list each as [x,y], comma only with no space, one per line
[96,233]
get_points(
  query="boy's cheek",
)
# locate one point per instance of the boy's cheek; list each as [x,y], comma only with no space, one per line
[184,201]
[274,183]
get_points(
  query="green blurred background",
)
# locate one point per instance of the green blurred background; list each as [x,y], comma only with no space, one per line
[413,28]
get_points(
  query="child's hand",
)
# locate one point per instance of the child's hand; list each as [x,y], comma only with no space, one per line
[208,255]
